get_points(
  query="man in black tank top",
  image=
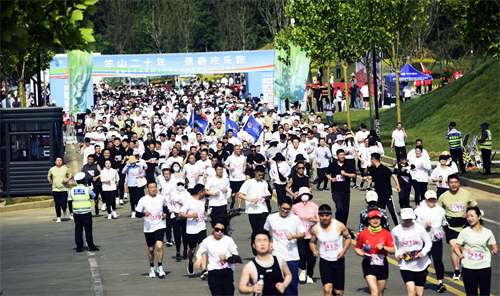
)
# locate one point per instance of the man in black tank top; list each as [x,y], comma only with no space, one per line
[275,272]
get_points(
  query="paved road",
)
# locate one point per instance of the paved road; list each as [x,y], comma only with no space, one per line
[38,256]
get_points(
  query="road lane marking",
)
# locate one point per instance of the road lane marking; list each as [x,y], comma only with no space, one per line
[96,278]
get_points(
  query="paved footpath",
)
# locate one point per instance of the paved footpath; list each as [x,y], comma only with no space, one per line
[38,256]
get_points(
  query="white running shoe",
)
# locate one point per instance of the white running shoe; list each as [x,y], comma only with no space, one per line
[58,220]
[310,280]
[117,201]
[103,208]
[456,277]
[71,216]
[152,273]
[115,216]
[65,214]
[121,201]
[133,215]
[125,196]
[160,271]
[109,217]
[302,276]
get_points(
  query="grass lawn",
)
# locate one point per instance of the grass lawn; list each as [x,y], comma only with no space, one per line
[23,199]
[476,174]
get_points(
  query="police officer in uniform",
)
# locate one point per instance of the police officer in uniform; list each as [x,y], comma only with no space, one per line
[80,195]
[453,136]
[485,146]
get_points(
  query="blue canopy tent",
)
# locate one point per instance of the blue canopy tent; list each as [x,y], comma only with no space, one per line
[407,73]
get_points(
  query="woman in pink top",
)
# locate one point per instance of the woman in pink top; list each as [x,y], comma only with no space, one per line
[307,211]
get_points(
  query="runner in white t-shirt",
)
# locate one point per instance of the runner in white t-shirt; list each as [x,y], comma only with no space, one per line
[153,207]
[219,191]
[398,140]
[236,164]
[194,210]
[286,229]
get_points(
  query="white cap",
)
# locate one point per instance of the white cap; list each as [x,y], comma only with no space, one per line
[371,196]
[407,213]
[80,176]
[430,194]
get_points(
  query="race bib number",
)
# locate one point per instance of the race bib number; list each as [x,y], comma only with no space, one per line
[260,199]
[237,166]
[457,207]
[406,178]
[80,130]
[118,157]
[153,160]
[193,174]
[307,225]
[438,233]
[377,259]
[92,173]
[340,178]
[475,254]
[409,241]
[330,246]
[443,185]
[418,168]
[200,218]
[178,202]
[351,153]
[280,233]
[222,264]
[155,216]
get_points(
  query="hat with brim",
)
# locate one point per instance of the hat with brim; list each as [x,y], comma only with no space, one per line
[349,136]
[304,191]
[79,176]
[430,194]
[299,158]
[485,125]
[407,214]
[371,196]
[132,159]
[340,138]
[374,213]
[279,157]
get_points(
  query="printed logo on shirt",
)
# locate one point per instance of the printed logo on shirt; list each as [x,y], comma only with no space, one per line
[457,207]
[280,233]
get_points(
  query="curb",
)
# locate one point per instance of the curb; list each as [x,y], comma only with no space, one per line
[28,206]
[463,180]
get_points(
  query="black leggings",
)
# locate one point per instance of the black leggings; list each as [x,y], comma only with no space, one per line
[280,192]
[322,178]
[436,255]
[61,201]
[420,188]
[135,194]
[108,197]
[306,256]
[120,190]
[404,195]
[179,230]
[477,278]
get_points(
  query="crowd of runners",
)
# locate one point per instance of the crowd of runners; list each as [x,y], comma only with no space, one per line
[174,157]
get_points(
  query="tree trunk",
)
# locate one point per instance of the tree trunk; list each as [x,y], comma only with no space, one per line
[368,80]
[398,103]
[345,65]
[328,82]
[21,89]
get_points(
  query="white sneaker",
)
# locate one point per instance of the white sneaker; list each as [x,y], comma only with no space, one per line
[109,217]
[152,273]
[310,280]
[117,201]
[65,214]
[58,220]
[125,196]
[133,215]
[160,271]
[121,201]
[71,216]
[114,215]
[103,208]
[302,276]
[456,277]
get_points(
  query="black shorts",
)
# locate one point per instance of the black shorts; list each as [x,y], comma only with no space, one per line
[153,237]
[195,239]
[235,186]
[418,277]
[366,99]
[332,272]
[451,234]
[380,272]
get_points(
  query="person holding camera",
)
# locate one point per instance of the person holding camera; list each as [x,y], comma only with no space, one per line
[454,142]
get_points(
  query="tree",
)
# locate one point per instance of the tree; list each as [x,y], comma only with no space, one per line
[273,13]
[477,21]
[59,25]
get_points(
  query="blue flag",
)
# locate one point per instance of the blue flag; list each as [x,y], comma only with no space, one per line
[253,128]
[231,125]
[198,120]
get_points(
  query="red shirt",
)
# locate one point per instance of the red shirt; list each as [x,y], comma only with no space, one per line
[368,241]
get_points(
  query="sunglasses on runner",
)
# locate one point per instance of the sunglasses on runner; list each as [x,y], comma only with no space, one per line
[217,229]
[300,168]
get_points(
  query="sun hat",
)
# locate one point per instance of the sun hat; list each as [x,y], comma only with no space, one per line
[132,159]
[304,190]
[407,213]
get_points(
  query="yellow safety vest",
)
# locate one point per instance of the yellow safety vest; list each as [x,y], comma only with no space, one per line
[487,143]
[81,198]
